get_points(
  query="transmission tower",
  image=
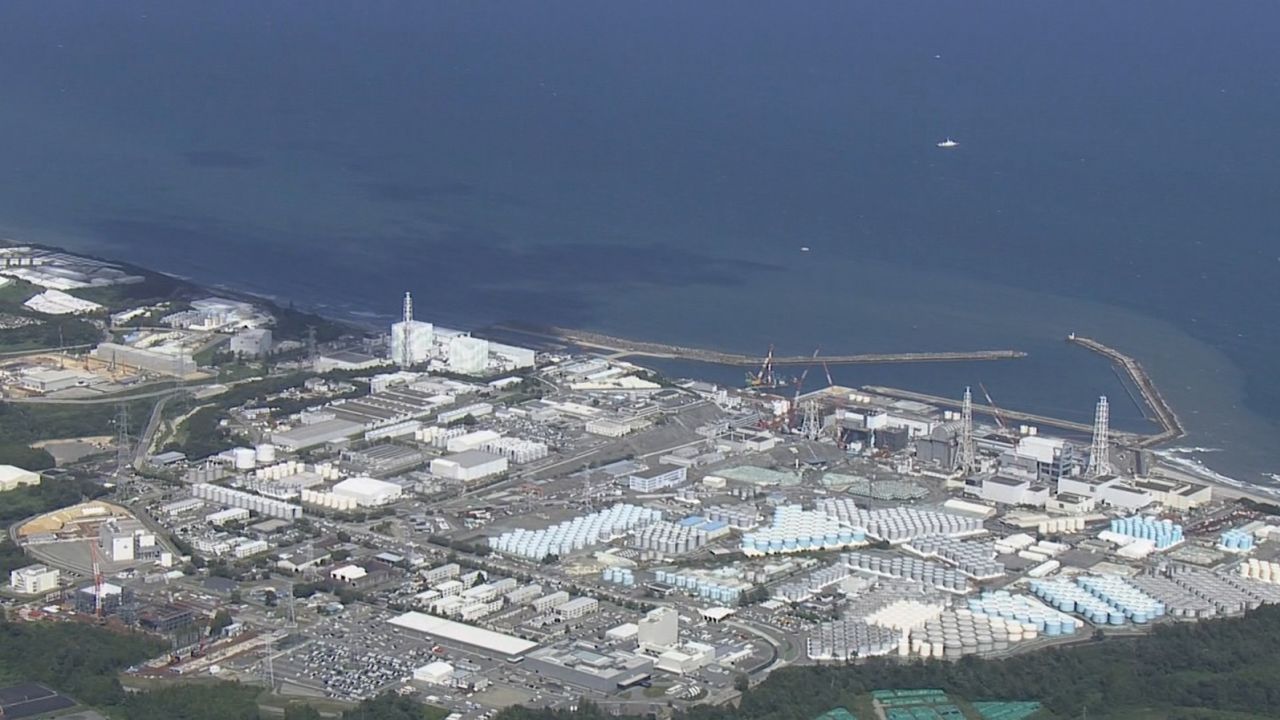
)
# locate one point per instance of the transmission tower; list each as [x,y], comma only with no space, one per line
[313,354]
[1099,451]
[124,450]
[290,618]
[811,426]
[966,457]
[268,665]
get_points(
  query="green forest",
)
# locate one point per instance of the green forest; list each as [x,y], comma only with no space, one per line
[1185,670]
[50,494]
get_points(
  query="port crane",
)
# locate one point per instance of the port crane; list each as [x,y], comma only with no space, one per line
[799,384]
[995,410]
[764,377]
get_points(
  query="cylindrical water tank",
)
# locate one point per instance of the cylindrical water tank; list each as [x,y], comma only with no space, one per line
[243,458]
[266,453]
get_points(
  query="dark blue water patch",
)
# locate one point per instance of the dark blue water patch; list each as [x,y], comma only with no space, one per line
[414,193]
[221,159]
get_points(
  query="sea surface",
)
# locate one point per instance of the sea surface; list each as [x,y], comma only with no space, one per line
[653,169]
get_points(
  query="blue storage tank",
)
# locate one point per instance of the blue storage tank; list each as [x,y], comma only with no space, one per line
[1115,618]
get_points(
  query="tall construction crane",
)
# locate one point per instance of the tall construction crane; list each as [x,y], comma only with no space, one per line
[799,384]
[764,377]
[99,581]
[995,410]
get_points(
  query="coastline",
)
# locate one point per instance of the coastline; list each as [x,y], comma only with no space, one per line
[358,319]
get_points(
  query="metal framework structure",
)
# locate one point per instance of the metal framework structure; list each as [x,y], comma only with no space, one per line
[406,330]
[1099,450]
[967,456]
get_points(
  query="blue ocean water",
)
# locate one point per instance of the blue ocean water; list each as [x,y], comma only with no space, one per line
[652,169]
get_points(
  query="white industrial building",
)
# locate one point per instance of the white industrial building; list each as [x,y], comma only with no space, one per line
[437,628]
[470,441]
[434,673]
[254,342]
[512,357]
[468,355]
[687,658]
[119,545]
[1011,491]
[56,302]
[659,630]
[222,517]
[1136,493]
[13,477]
[33,580]
[469,466]
[656,478]
[550,602]
[411,342]
[578,607]
[368,492]
[166,359]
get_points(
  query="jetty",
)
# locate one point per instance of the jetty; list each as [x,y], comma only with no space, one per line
[1163,415]
[1024,417]
[622,347]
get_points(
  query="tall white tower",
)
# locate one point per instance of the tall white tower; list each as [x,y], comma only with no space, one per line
[406,330]
[966,455]
[1099,451]
[411,340]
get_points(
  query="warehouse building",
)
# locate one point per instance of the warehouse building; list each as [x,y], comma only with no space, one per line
[368,492]
[13,477]
[442,630]
[313,434]
[469,466]
[582,665]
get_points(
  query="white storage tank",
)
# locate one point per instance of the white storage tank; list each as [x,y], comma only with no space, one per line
[266,453]
[244,458]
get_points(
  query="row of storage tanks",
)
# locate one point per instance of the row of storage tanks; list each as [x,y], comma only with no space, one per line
[725,590]
[975,559]
[795,529]
[619,576]
[907,627]
[1263,570]
[229,497]
[1060,525]
[669,538]
[1034,616]
[933,574]
[1230,593]
[1102,599]
[1164,533]
[812,583]
[328,500]
[289,468]
[576,534]
[1236,540]
[899,524]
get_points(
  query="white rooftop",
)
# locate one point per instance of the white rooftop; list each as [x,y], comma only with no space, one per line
[463,633]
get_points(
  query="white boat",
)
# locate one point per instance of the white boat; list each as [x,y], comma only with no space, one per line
[948,143]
